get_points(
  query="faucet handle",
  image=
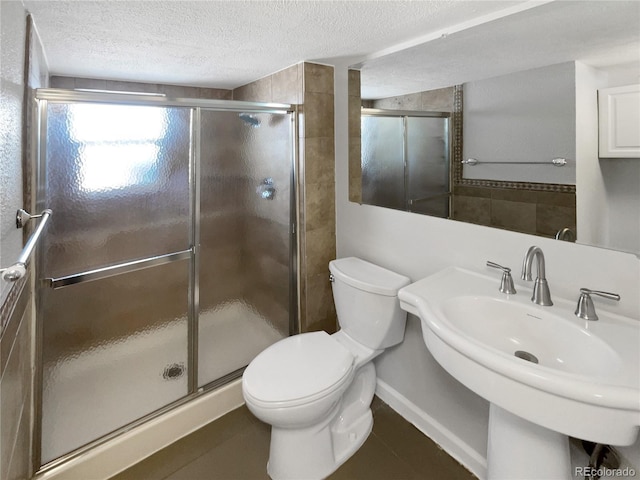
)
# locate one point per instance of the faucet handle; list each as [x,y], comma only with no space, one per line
[506,284]
[585,308]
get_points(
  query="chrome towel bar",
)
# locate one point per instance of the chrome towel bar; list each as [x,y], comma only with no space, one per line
[118,269]
[556,162]
[18,269]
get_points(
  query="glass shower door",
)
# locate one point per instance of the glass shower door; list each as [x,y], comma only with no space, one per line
[428,179]
[115,267]
[406,161]
[245,252]
[383,175]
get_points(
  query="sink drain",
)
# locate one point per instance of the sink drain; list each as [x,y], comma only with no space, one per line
[529,357]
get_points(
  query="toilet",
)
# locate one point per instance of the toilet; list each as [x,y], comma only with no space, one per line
[315,389]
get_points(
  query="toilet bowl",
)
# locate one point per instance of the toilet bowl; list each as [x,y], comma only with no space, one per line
[315,389]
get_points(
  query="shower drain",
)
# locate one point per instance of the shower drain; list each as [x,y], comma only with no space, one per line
[173,371]
[529,357]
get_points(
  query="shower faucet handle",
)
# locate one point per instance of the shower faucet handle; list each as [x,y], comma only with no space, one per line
[506,284]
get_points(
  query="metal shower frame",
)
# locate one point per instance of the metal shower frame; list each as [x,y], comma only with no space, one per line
[51,95]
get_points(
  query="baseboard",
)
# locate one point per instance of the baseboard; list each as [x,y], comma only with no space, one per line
[118,454]
[447,440]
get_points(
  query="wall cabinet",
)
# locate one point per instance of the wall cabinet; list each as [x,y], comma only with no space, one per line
[619,122]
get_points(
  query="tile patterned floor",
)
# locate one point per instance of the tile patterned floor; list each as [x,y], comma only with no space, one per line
[236,447]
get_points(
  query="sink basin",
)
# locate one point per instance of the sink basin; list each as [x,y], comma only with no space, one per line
[586,382]
[536,335]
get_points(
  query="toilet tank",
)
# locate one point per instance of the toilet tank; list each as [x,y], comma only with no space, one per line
[366,299]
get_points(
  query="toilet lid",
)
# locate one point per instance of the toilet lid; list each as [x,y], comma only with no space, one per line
[297,367]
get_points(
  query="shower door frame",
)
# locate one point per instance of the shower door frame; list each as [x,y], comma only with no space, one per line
[43,97]
[405,114]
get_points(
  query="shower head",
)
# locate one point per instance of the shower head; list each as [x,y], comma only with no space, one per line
[250,120]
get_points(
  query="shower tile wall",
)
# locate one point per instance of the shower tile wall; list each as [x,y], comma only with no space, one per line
[526,211]
[439,100]
[16,390]
[355,144]
[311,86]
[16,312]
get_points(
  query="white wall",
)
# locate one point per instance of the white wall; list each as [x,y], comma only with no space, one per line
[12,27]
[592,214]
[608,189]
[417,246]
[525,116]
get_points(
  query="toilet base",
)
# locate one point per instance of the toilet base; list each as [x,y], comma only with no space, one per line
[314,452]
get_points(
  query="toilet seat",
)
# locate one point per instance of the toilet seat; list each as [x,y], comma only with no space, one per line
[298,370]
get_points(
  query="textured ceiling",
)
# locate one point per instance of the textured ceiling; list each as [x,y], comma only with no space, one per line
[401,46]
[603,34]
[230,43]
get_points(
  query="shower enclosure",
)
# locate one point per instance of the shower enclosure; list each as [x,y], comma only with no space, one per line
[170,260]
[406,160]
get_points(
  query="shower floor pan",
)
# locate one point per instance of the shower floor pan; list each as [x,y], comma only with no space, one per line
[95,393]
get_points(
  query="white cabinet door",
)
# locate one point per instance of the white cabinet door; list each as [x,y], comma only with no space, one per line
[619,122]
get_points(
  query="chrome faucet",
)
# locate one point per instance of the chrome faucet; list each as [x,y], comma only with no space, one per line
[541,294]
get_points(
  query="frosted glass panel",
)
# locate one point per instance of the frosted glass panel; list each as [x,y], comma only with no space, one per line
[245,242]
[383,162]
[114,350]
[428,183]
[117,178]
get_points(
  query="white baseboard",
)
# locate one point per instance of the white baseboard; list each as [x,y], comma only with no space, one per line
[445,438]
[118,454]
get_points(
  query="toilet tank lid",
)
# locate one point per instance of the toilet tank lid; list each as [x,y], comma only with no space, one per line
[368,277]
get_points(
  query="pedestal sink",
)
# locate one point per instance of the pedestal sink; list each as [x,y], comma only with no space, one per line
[547,374]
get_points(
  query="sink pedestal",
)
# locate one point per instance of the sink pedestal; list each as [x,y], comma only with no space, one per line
[520,449]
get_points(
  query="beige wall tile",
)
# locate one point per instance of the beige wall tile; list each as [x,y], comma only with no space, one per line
[21,459]
[15,386]
[258,91]
[472,209]
[318,78]
[173,91]
[318,112]
[287,86]
[321,314]
[90,83]
[133,87]
[517,216]
[215,93]
[354,117]
[354,83]
[319,206]
[553,218]
[355,170]
[514,195]
[411,101]
[556,198]
[62,82]
[319,160]
[320,249]
[472,191]
[440,100]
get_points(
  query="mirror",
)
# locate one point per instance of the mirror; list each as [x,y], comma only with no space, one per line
[521,90]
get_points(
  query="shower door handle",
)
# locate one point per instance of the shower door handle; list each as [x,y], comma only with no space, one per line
[118,269]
